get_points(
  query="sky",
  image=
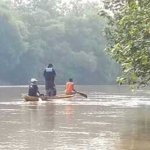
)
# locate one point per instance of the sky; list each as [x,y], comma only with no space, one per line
[84,0]
[70,0]
[63,0]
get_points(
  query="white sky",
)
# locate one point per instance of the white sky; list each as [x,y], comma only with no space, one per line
[70,0]
[84,0]
[65,0]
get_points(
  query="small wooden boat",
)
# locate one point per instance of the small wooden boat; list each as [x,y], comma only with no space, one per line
[45,98]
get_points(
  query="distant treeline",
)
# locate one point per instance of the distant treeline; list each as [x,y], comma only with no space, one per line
[40,32]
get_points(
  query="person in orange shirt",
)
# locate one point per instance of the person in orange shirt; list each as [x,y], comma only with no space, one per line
[70,87]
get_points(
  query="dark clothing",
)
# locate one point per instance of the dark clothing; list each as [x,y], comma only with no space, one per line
[33,90]
[49,84]
[51,91]
[54,92]
[49,74]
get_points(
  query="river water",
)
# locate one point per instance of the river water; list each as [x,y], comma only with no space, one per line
[111,118]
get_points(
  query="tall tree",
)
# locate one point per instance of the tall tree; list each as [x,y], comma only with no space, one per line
[50,31]
[128,32]
[12,34]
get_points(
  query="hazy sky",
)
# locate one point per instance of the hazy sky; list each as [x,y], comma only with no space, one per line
[83,0]
[69,0]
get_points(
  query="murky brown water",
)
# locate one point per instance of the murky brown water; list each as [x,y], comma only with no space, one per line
[112,118]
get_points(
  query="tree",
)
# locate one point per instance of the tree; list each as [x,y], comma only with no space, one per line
[38,32]
[128,34]
[12,46]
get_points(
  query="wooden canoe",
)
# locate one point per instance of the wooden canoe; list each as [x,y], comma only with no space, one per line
[45,98]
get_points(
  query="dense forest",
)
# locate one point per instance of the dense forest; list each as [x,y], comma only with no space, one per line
[68,35]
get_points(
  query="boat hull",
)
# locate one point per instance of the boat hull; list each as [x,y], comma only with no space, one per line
[45,98]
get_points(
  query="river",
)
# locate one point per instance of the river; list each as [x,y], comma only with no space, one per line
[111,118]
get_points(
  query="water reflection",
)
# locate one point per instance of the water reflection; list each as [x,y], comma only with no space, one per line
[49,118]
[112,118]
[32,106]
[136,130]
[69,113]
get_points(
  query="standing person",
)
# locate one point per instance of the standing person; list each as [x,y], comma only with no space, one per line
[70,87]
[50,74]
[33,88]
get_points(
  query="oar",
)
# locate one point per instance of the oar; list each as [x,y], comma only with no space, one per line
[82,94]
[39,98]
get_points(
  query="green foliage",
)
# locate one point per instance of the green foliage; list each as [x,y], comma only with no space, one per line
[12,36]
[128,33]
[44,31]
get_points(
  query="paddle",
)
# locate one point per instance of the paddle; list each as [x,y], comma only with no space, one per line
[39,98]
[82,94]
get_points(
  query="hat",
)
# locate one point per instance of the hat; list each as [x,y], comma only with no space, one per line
[50,65]
[71,79]
[33,80]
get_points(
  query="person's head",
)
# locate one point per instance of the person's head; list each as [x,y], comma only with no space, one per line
[50,65]
[33,80]
[71,80]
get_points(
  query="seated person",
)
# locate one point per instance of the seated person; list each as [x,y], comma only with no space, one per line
[33,88]
[70,87]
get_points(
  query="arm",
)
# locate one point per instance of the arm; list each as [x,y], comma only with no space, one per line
[37,89]
[74,89]
[38,92]
[54,72]
[44,73]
